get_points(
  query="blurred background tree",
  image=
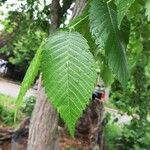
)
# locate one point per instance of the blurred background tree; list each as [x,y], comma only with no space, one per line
[135,99]
[25,26]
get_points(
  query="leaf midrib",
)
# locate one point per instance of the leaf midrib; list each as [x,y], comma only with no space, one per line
[68,89]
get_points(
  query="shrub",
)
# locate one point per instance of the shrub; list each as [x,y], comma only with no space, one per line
[7,115]
[112,132]
[28,105]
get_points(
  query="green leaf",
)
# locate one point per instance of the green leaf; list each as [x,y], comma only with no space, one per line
[107,75]
[81,25]
[125,31]
[103,22]
[30,75]
[68,75]
[122,8]
[147,6]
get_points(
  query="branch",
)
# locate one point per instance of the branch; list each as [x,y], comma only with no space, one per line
[66,6]
[78,8]
[55,15]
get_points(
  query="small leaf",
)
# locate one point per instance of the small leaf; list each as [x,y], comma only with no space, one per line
[103,22]
[68,75]
[147,6]
[30,75]
[122,8]
[107,76]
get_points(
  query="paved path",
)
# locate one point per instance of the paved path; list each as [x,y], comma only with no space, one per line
[12,89]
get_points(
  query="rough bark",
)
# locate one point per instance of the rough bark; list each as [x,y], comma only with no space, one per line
[90,126]
[5,135]
[43,125]
[97,140]
[20,136]
[55,15]
[78,9]
[15,139]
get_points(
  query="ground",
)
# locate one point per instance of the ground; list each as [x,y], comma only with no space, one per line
[11,88]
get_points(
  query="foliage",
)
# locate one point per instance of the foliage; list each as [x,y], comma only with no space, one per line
[28,105]
[135,100]
[112,132]
[2,1]
[25,49]
[67,62]
[107,75]
[30,75]
[81,25]
[25,27]
[122,9]
[6,100]
[104,28]
[22,39]
[110,104]
[7,109]
[135,136]
[7,115]
[147,6]
[68,66]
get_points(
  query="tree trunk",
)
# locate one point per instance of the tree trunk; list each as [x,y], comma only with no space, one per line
[78,9]
[20,136]
[5,135]
[43,125]
[97,140]
[90,126]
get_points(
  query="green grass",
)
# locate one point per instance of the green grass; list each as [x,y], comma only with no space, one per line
[7,110]
[7,101]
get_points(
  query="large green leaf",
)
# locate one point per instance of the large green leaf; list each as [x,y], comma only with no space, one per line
[147,6]
[68,74]
[122,8]
[103,22]
[30,75]
[125,31]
